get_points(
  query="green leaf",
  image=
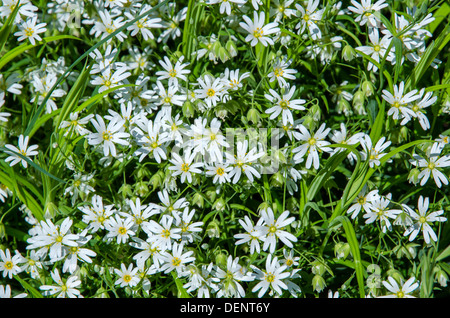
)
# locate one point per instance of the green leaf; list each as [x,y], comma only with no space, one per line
[7,27]
[34,292]
[181,290]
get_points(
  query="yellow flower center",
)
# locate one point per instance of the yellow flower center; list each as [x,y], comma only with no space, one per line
[258,33]
[211,92]
[172,73]
[220,171]
[377,48]
[165,233]
[431,165]
[270,277]
[284,104]
[312,141]
[400,294]
[422,219]
[9,265]
[278,72]
[185,167]
[122,230]
[28,32]
[127,278]
[176,261]
[106,135]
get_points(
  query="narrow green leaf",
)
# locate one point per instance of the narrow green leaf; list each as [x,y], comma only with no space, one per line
[34,292]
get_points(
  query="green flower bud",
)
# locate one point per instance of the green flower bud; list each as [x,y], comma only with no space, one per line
[231,48]
[223,54]
[51,209]
[441,276]
[157,179]
[341,250]
[221,112]
[277,180]
[142,172]
[219,204]
[412,250]
[367,88]
[213,229]
[198,200]
[221,259]
[253,115]
[413,176]
[126,190]
[348,53]
[211,194]
[216,48]
[264,206]
[2,231]
[318,268]
[395,274]
[140,189]
[318,283]
[101,293]
[358,98]
[188,109]
[343,107]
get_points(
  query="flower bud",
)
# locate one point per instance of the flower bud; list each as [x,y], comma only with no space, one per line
[157,179]
[221,259]
[213,229]
[318,268]
[140,188]
[198,200]
[358,98]
[126,190]
[277,180]
[318,283]
[231,48]
[413,176]
[341,250]
[348,53]
[343,106]
[219,204]
[223,54]
[188,109]
[101,293]
[253,115]
[216,48]
[367,88]
[441,276]
[2,231]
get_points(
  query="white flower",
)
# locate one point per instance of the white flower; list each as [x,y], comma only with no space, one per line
[107,25]
[374,153]
[258,32]
[63,289]
[423,219]
[431,164]
[402,291]
[10,265]
[76,124]
[225,5]
[143,25]
[280,72]
[76,253]
[30,30]
[173,73]
[219,171]
[188,228]
[272,277]
[380,211]
[312,144]
[364,201]
[108,136]
[108,79]
[377,49]
[177,259]
[148,249]
[399,102]
[272,229]
[5,292]
[23,149]
[284,105]
[230,279]
[162,232]
[185,166]
[419,105]
[42,88]
[341,137]
[242,161]
[151,139]
[96,214]
[55,237]
[251,236]
[309,19]
[127,276]
[233,80]
[119,228]
[365,11]
[210,90]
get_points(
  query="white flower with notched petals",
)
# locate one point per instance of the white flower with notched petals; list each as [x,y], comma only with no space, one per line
[284,105]
[108,136]
[30,30]
[210,91]
[23,149]
[185,166]
[128,276]
[381,212]
[399,102]
[273,229]
[312,144]
[402,291]
[423,220]
[310,18]
[119,228]
[365,11]
[374,153]
[173,72]
[9,265]
[242,162]
[431,165]
[63,289]
[258,32]
[281,72]
[272,277]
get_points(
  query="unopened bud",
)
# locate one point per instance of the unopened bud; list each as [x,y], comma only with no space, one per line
[318,283]
[141,189]
[348,53]
[223,54]
[413,176]
[213,229]
[253,115]
[231,48]
[367,88]
[341,250]
[188,109]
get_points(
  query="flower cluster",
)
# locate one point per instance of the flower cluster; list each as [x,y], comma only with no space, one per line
[263,148]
